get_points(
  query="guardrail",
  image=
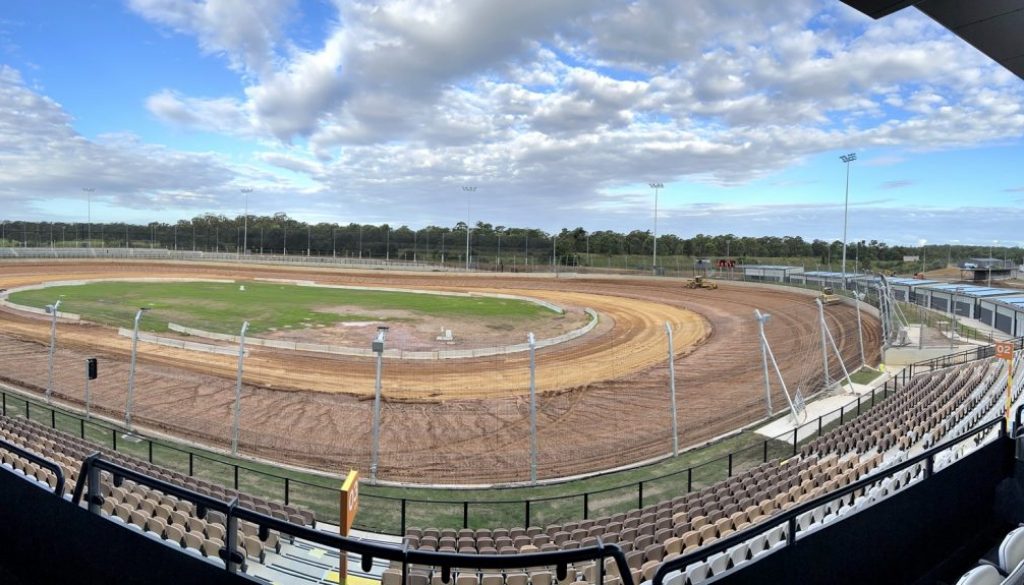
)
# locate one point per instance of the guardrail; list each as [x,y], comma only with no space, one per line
[789,517]
[94,464]
[959,358]
[389,514]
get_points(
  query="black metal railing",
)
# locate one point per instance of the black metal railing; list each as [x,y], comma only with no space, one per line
[389,514]
[368,551]
[959,358]
[789,517]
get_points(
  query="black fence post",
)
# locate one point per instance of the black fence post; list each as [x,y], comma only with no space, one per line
[403,512]
[287,493]
[113,439]
[729,471]
[28,415]
[842,410]
[53,418]
[689,478]
[819,425]
[465,515]
[5,403]
[794,441]
[858,405]
[527,506]
[765,457]
[81,427]
[236,477]
[640,495]
[586,505]
[151,454]
[191,464]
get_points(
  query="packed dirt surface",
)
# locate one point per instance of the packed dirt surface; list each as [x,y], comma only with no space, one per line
[603,398]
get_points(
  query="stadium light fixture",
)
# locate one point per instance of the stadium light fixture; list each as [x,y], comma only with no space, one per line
[469,190]
[847,159]
[654,258]
[245,219]
[88,202]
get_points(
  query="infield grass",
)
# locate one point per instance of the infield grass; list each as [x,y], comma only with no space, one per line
[221,307]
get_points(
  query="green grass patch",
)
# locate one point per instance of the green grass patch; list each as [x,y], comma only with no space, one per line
[221,307]
[864,376]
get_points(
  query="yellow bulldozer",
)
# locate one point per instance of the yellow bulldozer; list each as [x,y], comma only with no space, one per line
[829,296]
[701,282]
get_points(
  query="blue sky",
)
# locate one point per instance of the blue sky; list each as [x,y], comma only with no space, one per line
[560,113]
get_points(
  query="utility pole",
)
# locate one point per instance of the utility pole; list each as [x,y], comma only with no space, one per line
[88,196]
[378,348]
[469,190]
[237,412]
[846,158]
[654,259]
[245,232]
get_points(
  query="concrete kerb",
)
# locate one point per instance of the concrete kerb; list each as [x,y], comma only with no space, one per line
[179,343]
[391,353]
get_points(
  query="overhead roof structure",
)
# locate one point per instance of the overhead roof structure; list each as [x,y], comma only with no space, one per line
[992,26]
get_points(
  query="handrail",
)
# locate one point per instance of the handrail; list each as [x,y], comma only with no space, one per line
[95,463]
[636,485]
[789,516]
[38,460]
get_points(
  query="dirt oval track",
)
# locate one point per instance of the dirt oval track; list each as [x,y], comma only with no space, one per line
[603,398]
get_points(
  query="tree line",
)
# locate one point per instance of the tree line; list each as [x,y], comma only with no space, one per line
[488,244]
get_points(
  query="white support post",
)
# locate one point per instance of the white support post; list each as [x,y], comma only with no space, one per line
[761,320]
[860,330]
[824,344]
[835,348]
[533,407]
[672,390]
[782,381]
[378,347]
[236,414]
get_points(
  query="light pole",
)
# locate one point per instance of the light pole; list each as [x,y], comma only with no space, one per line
[245,219]
[990,262]
[131,371]
[846,158]
[88,198]
[468,190]
[378,348]
[236,415]
[52,310]
[654,261]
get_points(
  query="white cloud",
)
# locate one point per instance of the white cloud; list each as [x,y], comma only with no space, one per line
[246,31]
[42,157]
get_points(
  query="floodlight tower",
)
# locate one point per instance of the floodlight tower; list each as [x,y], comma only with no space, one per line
[846,158]
[468,189]
[654,259]
[245,220]
[88,202]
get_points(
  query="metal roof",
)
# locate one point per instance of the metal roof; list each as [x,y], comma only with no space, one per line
[772,267]
[970,290]
[834,274]
[1015,302]
[991,26]
[911,281]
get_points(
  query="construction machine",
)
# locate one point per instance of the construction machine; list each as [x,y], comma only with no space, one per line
[701,282]
[829,296]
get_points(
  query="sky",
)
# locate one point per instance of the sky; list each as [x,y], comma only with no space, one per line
[560,114]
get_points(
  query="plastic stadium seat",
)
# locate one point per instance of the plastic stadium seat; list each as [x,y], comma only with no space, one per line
[981,575]
[1011,550]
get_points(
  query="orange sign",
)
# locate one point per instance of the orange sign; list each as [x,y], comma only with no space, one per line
[349,501]
[1004,350]
[349,507]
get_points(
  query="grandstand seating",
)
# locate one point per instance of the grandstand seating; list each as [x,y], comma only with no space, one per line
[928,408]
[178,521]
